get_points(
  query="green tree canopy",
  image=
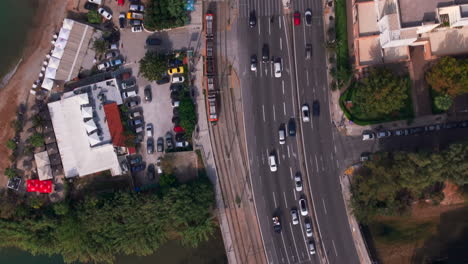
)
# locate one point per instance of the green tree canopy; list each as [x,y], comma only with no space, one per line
[100,46]
[153,66]
[10,172]
[37,140]
[380,94]
[163,14]
[449,76]
[188,116]
[94,17]
[443,102]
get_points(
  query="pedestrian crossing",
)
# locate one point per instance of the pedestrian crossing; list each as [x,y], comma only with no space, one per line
[265,8]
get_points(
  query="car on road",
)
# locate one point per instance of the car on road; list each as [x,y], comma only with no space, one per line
[150,172]
[278,68]
[91,6]
[252,19]
[294,217]
[135,22]
[401,132]
[303,207]
[311,247]
[308,51]
[316,108]
[148,95]
[265,53]
[153,41]
[383,134]
[169,142]
[368,135]
[137,29]
[150,145]
[308,227]
[122,20]
[160,144]
[128,94]
[308,17]
[298,182]
[282,134]
[178,79]
[305,113]
[137,8]
[276,224]
[149,130]
[253,63]
[163,80]
[175,70]
[292,127]
[297,18]
[104,13]
[272,163]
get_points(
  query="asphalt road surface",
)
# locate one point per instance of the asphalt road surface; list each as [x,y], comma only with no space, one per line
[271,102]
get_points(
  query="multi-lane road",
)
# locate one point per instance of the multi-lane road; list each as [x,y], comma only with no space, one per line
[271,102]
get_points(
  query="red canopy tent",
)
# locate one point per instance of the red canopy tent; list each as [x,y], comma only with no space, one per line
[39,186]
[178,129]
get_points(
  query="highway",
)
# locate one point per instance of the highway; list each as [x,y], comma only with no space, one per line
[270,102]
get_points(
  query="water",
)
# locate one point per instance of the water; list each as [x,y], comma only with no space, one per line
[16,19]
[210,252]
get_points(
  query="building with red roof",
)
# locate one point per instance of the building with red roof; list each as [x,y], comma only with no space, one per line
[115,124]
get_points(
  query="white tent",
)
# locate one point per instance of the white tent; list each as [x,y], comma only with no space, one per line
[61,43]
[64,33]
[43,166]
[93,139]
[54,62]
[47,84]
[67,23]
[57,52]
[34,85]
[87,112]
[90,126]
[50,73]
[84,99]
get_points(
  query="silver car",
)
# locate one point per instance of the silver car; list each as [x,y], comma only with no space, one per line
[295,217]
[308,228]
[298,182]
[303,207]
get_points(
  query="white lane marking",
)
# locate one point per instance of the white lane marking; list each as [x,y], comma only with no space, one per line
[285,201]
[261,70]
[294,240]
[281,44]
[263,109]
[279,21]
[295,196]
[312,125]
[290,172]
[282,84]
[337,165]
[324,207]
[285,249]
[336,252]
[274,200]
[279,158]
[271,68]
[269,28]
[263,160]
[289,156]
[316,163]
[284,108]
[267,152]
[334,146]
[305,39]
[289,61]
[274,113]
[259,29]
[307,77]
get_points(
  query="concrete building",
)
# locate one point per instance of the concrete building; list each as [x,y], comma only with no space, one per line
[384,30]
[81,129]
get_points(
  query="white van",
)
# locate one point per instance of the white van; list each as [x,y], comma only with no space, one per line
[282,136]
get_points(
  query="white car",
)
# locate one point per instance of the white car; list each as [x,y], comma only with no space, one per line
[253,63]
[126,95]
[278,69]
[303,207]
[368,135]
[295,217]
[175,103]
[98,2]
[103,65]
[305,113]
[308,228]
[298,182]
[104,13]
[149,130]
[311,247]
[282,135]
[178,79]
[272,163]
[137,28]
[138,8]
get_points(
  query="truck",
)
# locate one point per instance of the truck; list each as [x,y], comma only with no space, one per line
[134,15]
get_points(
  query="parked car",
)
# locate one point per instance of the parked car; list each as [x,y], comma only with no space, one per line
[104,13]
[316,108]
[175,70]
[176,87]
[450,125]
[149,130]
[116,62]
[135,114]
[175,103]
[174,95]
[91,6]
[365,156]
[463,124]
[150,172]
[297,18]
[97,2]
[147,92]
[294,217]
[153,41]
[416,130]
[135,22]
[132,103]
[298,182]
[128,84]
[135,122]
[160,144]
[272,163]
[103,66]
[308,17]
[137,29]
[128,94]
[150,145]
[163,80]
[305,113]
[178,79]
[122,20]
[135,160]
[383,134]
[158,166]
[253,63]
[431,128]
[112,54]
[138,8]
[368,135]
[137,168]
[401,132]
[303,207]
[311,247]
[182,144]
[169,143]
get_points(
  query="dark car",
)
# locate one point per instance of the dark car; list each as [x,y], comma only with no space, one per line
[174,95]
[265,53]
[91,6]
[122,20]
[169,141]
[179,137]
[175,120]
[416,130]
[150,145]
[316,108]
[175,111]
[451,125]
[139,167]
[153,41]
[252,19]
[276,224]
[463,124]
[132,102]
[176,87]
[148,96]
[135,22]
[151,172]
[163,80]
[160,144]
[173,63]
[135,160]
[292,127]
[308,17]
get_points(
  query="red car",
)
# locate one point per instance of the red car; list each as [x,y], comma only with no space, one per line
[297,18]
[120,2]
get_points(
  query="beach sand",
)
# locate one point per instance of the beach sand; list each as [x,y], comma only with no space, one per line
[48,20]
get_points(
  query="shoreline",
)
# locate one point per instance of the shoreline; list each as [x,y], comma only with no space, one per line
[7,77]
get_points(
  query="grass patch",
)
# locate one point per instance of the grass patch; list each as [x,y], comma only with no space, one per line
[343,67]
[401,231]
[435,110]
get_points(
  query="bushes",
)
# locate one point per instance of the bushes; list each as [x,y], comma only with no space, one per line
[37,140]
[188,116]
[164,14]
[153,66]
[94,17]
[343,67]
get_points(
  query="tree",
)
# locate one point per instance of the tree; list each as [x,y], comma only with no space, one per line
[61,208]
[449,76]
[153,66]
[37,140]
[11,144]
[94,17]
[164,14]
[10,172]
[187,114]
[443,102]
[100,46]
[382,93]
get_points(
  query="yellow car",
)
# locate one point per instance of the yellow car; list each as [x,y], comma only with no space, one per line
[175,70]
